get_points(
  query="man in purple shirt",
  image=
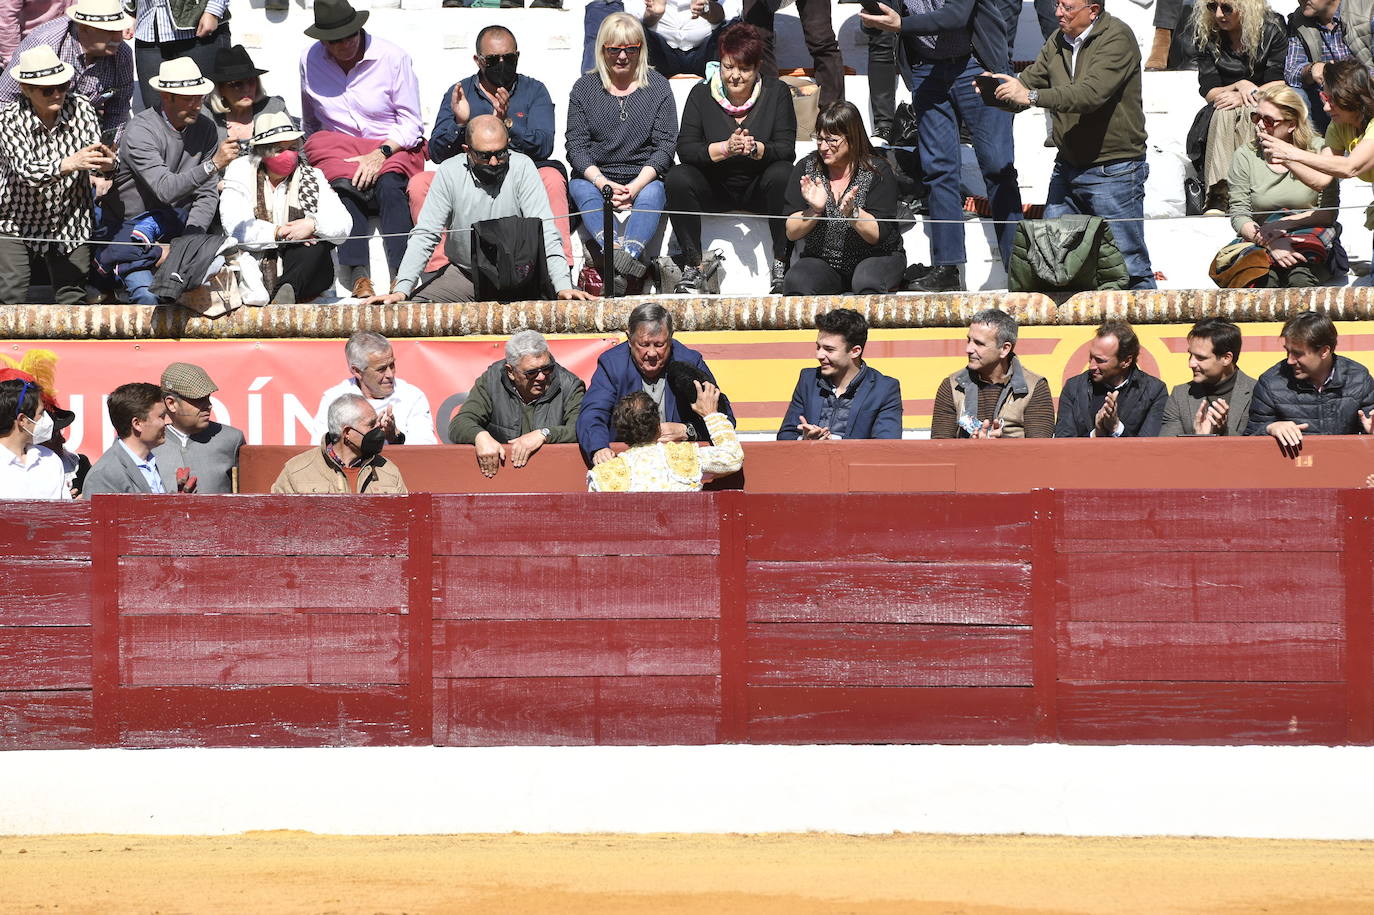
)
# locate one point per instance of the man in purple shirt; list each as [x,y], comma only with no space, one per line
[360,103]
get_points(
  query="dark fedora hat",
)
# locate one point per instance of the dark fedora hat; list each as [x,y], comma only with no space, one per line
[233,64]
[335,19]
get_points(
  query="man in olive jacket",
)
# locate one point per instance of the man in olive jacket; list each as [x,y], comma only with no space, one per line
[1088,76]
[525,400]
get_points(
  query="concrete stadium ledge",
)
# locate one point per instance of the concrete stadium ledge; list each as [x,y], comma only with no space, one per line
[415,319]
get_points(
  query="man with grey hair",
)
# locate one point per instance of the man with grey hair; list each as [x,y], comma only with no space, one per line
[402,408]
[994,395]
[525,400]
[350,459]
[638,364]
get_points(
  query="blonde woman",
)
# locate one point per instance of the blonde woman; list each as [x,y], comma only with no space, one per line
[1240,49]
[621,133]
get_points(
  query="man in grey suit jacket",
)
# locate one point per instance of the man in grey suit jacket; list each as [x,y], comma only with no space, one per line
[1217,400]
[207,450]
[139,418]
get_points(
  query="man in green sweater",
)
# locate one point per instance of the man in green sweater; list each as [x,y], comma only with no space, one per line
[1088,76]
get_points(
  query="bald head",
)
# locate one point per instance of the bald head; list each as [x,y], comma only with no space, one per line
[488,152]
[487,132]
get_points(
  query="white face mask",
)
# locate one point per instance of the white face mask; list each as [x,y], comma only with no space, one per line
[42,428]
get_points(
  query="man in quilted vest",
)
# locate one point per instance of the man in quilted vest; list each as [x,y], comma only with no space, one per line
[994,396]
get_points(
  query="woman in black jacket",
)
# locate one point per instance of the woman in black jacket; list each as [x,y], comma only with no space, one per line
[843,200]
[735,150]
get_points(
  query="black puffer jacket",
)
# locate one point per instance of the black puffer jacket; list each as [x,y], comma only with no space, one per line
[1334,410]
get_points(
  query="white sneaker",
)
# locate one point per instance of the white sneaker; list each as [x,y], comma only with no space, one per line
[251,289]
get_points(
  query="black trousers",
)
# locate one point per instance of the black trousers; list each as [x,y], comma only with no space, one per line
[872,276]
[882,80]
[67,272]
[308,268]
[148,59]
[819,33]
[691,188]
[393,212]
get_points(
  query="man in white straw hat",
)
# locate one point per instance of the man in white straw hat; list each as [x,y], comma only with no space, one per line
[168,29]
[91,39]
[170,161]
[49,145]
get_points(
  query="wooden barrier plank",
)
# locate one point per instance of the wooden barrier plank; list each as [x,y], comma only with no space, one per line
[1163,521]
[58,719]
[45,592]
[260,526]
[1202,713]
[267,584]
[1044,610]
[1288,587]
[585,524]
[577,711]
[263,716]
[734,623]
[45,657]
[419,577]
[881,714]
[881,654]
[841,590]
[284,649]
[1288,652]
[584,587]
[575,648]
[45,530]
[104,620]
[1357,571]
[889,527]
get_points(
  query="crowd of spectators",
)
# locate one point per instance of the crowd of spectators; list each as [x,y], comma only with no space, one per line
[140,127]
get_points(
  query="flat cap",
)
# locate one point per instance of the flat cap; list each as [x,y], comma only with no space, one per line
[187,380]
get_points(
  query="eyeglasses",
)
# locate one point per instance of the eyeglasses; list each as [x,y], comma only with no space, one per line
[545,369]
[491,155]
[628,50]
[1226,8]
[492,60]
[1267,122]
[831,142]
[50,91]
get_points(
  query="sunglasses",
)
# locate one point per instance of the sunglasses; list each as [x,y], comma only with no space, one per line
[1226,8]
[491,155]
[242,83]
[1268,122]
[492,60]
[545,369]
[629,50]
[50,91]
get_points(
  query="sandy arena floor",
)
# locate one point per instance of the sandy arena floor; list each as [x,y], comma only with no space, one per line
[269,872]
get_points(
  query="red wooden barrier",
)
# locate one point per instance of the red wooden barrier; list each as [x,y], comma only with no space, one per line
[1080,616]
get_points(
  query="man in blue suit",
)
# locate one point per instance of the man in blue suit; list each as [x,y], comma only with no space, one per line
[843,397]
[638,364]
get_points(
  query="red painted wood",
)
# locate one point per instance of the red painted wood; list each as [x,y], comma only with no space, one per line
[893,527]
[419,574]
[265,584]
[45,530]
[577,711]
[1044,610]
[1357,568]
[104,620]
[630,524]
[283,649]
[879,654]
[580,587]
[262,525]
[575,648]
[45,592]
[263,716]
[45,657]
[1202,713]
[845,591]
[1297,652]
[873,714]
[46,720]
[1209,521]
[734,610]
[1242,586]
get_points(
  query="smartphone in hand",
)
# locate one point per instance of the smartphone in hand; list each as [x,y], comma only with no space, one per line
[874,8]
[987,88]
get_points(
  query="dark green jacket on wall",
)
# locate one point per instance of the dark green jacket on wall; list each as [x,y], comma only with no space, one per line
[1068,254]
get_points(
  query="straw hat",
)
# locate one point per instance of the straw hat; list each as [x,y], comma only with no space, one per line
[181,77]
[40,66]
[101,14]
[274,127]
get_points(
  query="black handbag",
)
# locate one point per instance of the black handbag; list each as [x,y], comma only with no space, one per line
[508,263]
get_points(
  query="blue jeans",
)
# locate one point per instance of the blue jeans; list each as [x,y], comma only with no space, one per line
[638,229]
[137,283]
[595,13]
[942,95]
[1113,191]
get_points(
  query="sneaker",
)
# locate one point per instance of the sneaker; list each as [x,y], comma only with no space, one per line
[777,277]
[690,282]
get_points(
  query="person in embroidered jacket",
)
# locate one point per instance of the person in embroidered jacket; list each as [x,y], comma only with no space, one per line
[90,38]
[654,466]
[49,146]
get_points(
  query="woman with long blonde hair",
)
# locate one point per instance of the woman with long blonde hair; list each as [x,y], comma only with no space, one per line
[1240,49]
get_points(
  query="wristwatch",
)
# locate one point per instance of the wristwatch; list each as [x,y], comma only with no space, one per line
[386,149]
[545,433]
[691,433]
[1033,98]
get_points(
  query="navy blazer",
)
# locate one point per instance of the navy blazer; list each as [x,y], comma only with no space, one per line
[875,413]
[1139,406]
[616,376]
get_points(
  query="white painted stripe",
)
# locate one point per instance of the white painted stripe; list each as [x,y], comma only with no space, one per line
[1274,792]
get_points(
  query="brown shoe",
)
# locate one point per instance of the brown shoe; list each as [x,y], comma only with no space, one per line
[362,288]
[1159,52]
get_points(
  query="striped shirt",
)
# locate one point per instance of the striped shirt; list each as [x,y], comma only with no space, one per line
[36,199]
[621,134]
[113,74]
[154,23]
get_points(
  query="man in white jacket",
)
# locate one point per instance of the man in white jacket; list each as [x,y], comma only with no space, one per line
[402,408]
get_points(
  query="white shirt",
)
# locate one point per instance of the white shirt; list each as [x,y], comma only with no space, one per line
[238,202]
[36,474]
[678,28]
[408,404]
[1077,45]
